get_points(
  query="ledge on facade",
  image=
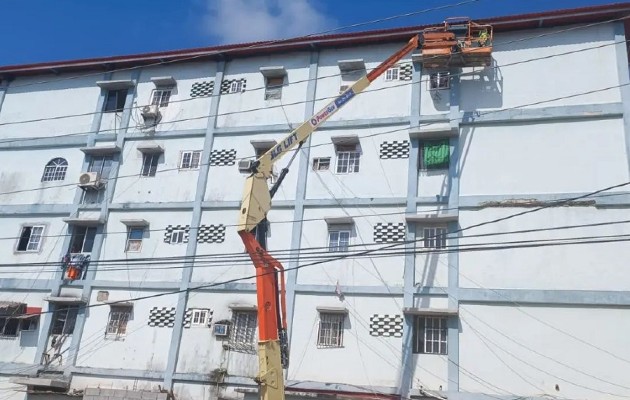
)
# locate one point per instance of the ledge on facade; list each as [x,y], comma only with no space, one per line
[78,221]
[164,81]
[64,300]
[346,140]
[135,222]
[116,84]
[263,144]
[56,383]
[437,130]
[351,65]
[243,307]
[430,311]
[339,220]
[332,310]
[432,218]
[150,148]
[101,150]
[273,72]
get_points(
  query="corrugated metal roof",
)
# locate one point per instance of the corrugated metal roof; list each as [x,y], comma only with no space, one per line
[504,23]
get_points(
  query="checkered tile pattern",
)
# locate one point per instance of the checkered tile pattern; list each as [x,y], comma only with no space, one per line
[223,157]
[395,149]
[202,89]
[386,325]
[211,234]
[188,317]
[162,317]
[389,232]
[405,72]
[169,232]
[225,85]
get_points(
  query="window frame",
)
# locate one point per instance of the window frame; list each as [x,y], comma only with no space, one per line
[179,232]
[320,162]
[439,80]
[425,339]
[40,238]
[123,315]
[437,237]
[191,162]
[199,313]
[117,106]
[161,96]
[392,74]
[30,324]
[350,155]
[55,170]
[338,229]
[6,322]
[69,323]
[330,336]
[236,86]
[274,92]
[86,230]
[130,240]
[422,148]
[150,163]
[243,332]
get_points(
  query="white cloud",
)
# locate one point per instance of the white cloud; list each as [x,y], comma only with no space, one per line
[237,21]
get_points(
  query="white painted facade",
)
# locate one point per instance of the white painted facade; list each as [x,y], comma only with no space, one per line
[540,311]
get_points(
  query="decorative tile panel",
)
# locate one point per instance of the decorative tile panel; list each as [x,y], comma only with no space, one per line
[202,89]
[169,232]
[223,157]
[225,85]
[211,234]
[188,317]
[405,72]
[387,325]
[395,149]
[389,232]
[162,317]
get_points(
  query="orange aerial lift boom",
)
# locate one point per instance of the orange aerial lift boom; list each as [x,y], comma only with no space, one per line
[252,225]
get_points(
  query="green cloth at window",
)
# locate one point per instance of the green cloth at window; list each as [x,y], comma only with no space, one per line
[436,154]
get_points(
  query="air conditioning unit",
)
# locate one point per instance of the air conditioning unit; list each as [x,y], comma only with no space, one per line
[245,166]
[90,180]
[150,113]
[221,330]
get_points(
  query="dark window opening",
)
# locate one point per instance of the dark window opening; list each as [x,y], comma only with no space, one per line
[115,100]
[64,319]
[82,239]
[149,164]
[9,326]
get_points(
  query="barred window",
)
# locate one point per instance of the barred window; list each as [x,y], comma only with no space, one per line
[243,332]
[338,237]
[330,332]
[431,335]
[434,237]
[161,97]
[348,158]
[117,324]
[392,74]
[439,80]
[55,170]
[190,159]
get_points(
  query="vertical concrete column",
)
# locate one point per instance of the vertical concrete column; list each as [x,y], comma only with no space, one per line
[407,367]
[453,257]
[300,194]
[4,85]
[191,249]
[624,81]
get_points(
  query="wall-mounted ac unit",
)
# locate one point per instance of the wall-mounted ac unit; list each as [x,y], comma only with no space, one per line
[90,180]
[221,330]
[150,113]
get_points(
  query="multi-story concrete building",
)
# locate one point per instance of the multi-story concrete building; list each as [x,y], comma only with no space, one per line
[122,273]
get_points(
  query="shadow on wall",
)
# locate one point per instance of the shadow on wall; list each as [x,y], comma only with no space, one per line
[482,89]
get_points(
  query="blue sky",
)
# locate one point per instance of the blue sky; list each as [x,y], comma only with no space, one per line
[49,30]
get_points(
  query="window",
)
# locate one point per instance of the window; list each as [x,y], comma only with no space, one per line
[321,164]
[102,165]
[190,159]
[392,74]
[236,86]
[435,154]
[338,237]
[30,238]
[55,170]
[29,324]
[439,80]
[199,318]
[9,327]
[348,157]
[117,323]
[430,335]
[160,97]
[243,332]
[273,89]
[330,332]
[63,321]
[434,238]
[349,77]
[177,236]
[115,100]
[82,239]
[149,164]
[134,239]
